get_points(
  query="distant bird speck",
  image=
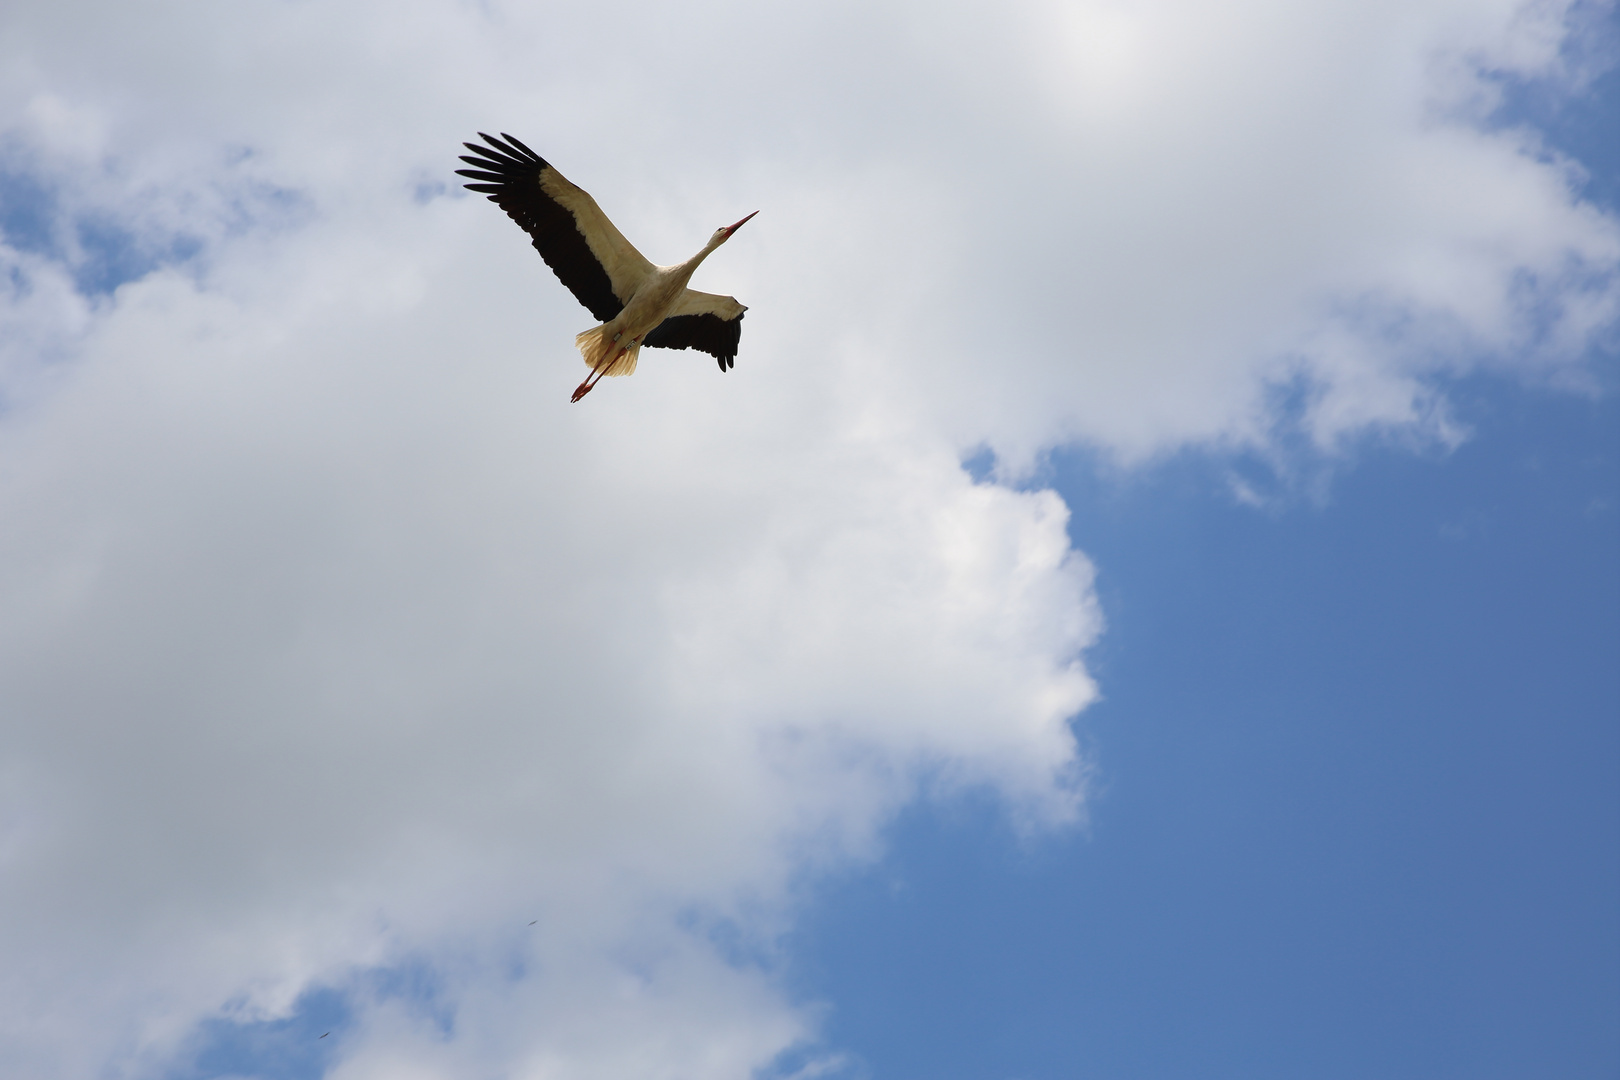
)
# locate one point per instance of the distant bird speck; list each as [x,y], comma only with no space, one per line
[323,1036]
[638,303]
[535,921]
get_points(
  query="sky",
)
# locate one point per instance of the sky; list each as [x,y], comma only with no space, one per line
[1146,602]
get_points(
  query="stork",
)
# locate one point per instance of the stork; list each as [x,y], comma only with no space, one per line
[638,303]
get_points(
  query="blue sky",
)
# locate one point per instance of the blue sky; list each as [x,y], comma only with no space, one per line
[1360,777]
[1368,828]
[1145,604]
[1359,761]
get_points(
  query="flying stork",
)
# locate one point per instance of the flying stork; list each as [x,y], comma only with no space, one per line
[638,303]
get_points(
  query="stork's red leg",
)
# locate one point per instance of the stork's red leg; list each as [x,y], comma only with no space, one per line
[594,377]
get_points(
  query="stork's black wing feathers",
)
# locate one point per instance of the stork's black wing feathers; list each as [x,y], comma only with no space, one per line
[513,172]
[707,333]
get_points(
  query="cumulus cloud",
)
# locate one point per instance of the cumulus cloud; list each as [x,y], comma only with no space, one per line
[321,612]
[334,640]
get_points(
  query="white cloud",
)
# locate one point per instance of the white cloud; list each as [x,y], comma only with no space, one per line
[332,637]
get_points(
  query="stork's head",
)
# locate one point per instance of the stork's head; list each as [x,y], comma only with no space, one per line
[723,233]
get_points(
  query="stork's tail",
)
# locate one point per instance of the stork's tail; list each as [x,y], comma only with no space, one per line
[596,347]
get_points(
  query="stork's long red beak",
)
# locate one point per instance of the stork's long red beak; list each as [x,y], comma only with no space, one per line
[733,228]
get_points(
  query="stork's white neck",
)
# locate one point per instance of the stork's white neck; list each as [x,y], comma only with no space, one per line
[692,264]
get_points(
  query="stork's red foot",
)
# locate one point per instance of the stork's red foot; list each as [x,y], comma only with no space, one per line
[597,372]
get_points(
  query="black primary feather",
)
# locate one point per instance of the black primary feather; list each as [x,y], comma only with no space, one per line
[707,333]
[514,174]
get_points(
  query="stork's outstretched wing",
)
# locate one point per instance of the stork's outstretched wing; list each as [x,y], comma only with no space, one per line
[583,248]
[702,321]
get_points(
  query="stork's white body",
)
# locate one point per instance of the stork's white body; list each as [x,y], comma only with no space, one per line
[660,293]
